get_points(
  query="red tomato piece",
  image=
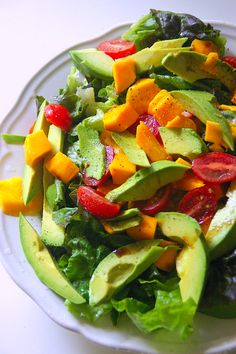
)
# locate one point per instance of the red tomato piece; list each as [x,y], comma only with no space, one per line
[199,203]
[215,167]
[95,204]
[117,48]
[231,60]
[58,115]
[93,182]
[155,203]
[150,122]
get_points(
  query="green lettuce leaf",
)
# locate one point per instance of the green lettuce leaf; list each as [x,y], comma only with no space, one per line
[169,312]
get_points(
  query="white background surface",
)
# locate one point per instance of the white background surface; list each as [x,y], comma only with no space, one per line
[32,33]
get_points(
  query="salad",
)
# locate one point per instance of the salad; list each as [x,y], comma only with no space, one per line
[132,169]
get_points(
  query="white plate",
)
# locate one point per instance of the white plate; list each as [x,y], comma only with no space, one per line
[210,335]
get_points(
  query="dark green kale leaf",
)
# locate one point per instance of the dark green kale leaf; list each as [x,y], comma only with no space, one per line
[162,25]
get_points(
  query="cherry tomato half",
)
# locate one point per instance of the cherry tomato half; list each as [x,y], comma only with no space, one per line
[155,203]
[150,122]
[95,204]
[199,203]
[215,167]
[93,182]
[117,48]
[58,115]
[231,60]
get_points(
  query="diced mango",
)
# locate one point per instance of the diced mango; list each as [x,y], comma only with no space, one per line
[167,260]
[164,107]
[106,139]
[181,121]
[213,133]
[226,107]
[210,64]
[188,182]
[183,162]
[124,73]
[62,167]
[121,168]
[147,141]
[120,118]
[141,93]
[203,47]
[145,230]
[11,201]
[36,147]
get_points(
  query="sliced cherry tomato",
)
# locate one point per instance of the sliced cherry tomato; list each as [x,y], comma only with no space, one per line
[95,204]
[156,203]
[215,167]
[117,48]
[93,182]
[150,122]
[58,115]
[199,203]
[231,60]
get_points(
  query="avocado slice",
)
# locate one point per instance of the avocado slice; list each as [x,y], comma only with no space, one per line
[33,176]
[182,141]
[202,105]
[52,234]
[127,143]
[121,267]
[192,261]
[128,218]
[93,63]
[188,65]
[220,236]
[149,58]
[145,182]
[43,264]
[179,227]
[170,43]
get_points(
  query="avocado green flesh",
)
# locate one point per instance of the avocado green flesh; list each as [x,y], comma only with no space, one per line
[188,66]
[169,43]
[52,234]
[201,104]
[129,218]
[127,143]
[120,268]
[182,141]
[148,58]
[191,263]
[179,227]
[221,234]
[93,63]
[33,176]
[44,266]
[145,182]
[13,139]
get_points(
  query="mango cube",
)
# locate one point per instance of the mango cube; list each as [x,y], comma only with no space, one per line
[121,168]
[124,73]
[62,167]
[36,147]
[145,230]
[119,118]
[11,201]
